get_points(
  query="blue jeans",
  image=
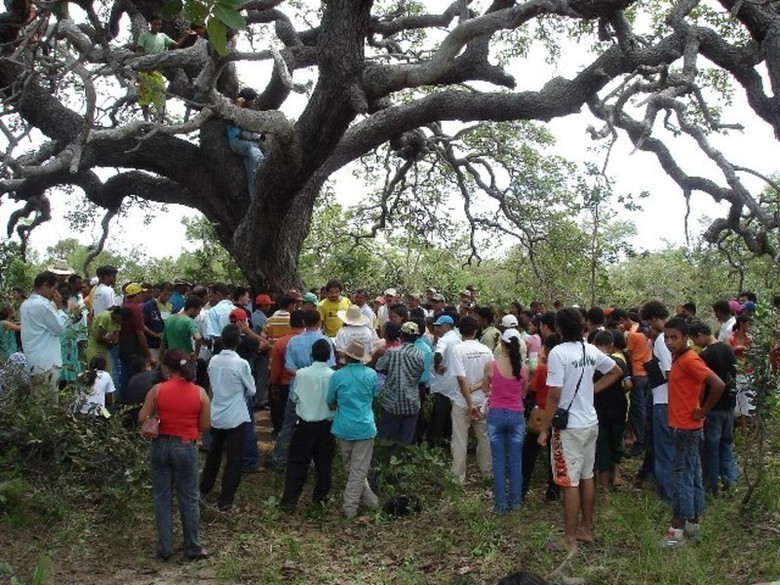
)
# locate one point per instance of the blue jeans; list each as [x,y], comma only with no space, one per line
[251,457]
[174,465]
[279,453]
[637,412]
[688,496]
[717,452]
[662,452]
[251,155]
[397,427]
[506,430]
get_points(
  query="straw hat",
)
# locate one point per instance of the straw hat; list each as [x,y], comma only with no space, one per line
[353,316]
[357,350]
[61,268]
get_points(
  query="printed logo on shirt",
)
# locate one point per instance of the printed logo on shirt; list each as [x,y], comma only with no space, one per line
[583,361]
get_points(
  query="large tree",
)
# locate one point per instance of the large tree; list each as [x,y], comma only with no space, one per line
[389,74]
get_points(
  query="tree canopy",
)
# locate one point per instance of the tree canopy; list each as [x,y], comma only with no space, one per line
[389,78]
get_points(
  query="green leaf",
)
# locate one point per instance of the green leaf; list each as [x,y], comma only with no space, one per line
[217,36]
[196,11]
[229,16]
[171,8]
[234,4]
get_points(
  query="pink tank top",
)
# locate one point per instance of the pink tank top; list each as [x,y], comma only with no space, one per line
[507,393]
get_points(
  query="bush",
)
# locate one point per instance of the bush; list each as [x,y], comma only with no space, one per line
[96,460]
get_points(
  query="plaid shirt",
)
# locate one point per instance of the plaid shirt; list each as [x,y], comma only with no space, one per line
[403,366]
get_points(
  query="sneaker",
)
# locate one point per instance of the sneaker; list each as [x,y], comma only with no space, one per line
[674,538]
[691,530]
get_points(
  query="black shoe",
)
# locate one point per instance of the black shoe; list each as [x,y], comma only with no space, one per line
[552,495]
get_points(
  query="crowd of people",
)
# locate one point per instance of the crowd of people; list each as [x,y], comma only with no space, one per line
[585,387]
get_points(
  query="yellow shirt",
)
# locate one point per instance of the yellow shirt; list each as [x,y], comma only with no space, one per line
[329,315]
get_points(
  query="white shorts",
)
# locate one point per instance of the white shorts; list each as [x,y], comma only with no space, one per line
[573,455]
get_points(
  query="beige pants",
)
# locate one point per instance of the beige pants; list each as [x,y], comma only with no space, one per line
[461,422]
[44,385]
[356,458]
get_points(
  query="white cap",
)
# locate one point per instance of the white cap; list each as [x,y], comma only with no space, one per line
[391,292]
[508,334]
[509,321]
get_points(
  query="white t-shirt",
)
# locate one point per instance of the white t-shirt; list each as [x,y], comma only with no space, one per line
[661,393]
[726,329]
[446,383]
[565,366]
[469,360]
[96,400]
[103,299]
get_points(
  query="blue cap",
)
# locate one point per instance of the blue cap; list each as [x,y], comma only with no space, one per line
[444,320]
[749,306]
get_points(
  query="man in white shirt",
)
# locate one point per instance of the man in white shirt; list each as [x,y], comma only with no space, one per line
[383,314]
[103,296]
[659,461]
[469,359]
[43,322]
[570,369]
[444,387]
[723,314]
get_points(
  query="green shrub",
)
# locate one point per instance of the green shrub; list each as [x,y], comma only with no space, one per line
[95,460]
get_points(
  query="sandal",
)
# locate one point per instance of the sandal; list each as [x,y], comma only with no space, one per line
[203,554]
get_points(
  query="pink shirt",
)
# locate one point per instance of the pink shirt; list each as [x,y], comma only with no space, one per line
[507,393]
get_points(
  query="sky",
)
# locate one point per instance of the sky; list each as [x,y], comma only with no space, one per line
[660,222]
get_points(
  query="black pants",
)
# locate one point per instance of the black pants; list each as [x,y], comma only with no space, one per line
[232,440]
[530,454]
[440,423]
[277,401]
[310,441]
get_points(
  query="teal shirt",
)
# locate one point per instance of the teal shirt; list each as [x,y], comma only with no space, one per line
[7,344]
[352,389]
[427,352]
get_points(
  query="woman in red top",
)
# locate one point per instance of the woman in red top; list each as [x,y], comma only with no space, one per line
[184,412]
[746,394]
[538,391]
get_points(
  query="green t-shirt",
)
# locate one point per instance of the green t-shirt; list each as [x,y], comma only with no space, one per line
[178,332]
[108,325]
[154,44]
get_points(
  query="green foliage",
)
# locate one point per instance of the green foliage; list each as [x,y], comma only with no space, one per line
[40,574]
[14,270]
[418,470]
[86,459]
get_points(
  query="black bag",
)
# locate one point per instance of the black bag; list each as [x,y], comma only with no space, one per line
[402,506]
[560,419]
[655,377]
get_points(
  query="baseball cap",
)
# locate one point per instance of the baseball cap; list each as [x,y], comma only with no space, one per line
[735,306]
[391,292]
[263,300]
[508,334]
[237,315]
[438,297]
[309,298]
[444,320]
[509,321]
[133,289]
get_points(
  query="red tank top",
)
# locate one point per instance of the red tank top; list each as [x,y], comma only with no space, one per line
[178,406]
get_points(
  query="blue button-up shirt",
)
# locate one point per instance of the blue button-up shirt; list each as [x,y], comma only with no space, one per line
[42,327]
[231,381]
[218,317]
[298,354]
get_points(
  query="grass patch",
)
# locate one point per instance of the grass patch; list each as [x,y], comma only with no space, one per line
[455,540]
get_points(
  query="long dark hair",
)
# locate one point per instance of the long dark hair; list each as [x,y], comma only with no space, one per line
[513,345]
[97,363]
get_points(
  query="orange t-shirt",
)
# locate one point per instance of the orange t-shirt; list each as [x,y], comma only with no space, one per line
[639,348]
[539,384]
[686,382]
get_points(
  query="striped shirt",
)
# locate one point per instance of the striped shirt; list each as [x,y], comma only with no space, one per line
[403,366]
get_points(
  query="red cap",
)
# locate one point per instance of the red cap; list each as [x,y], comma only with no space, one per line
[237,315]
[263,300]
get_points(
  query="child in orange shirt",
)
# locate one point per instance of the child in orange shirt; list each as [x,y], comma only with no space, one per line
[687,378]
